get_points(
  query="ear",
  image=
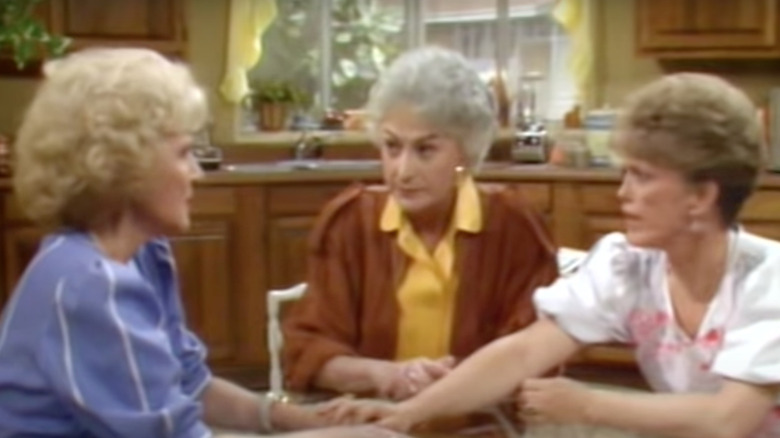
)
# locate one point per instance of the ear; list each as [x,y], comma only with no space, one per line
[704,198]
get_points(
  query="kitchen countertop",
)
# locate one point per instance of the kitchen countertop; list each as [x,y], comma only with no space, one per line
[490,171]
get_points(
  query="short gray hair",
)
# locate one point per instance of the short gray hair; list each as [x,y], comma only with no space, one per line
[446,91]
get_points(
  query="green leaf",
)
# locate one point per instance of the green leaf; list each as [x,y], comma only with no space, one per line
[343,37]
[348,68]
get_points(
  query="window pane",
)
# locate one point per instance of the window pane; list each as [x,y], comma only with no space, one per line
[468,26]
[536,51]
[538,57]
[291,50]
[366,36]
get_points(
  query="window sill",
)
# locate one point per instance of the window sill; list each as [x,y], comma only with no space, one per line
[342,138]
[287,138]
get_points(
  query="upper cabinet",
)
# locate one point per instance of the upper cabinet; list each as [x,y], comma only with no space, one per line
[154,24]
[720,29]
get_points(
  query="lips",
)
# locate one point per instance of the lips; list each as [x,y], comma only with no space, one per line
[408,191]
[630,216]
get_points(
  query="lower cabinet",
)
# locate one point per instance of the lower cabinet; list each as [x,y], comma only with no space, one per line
[250,237]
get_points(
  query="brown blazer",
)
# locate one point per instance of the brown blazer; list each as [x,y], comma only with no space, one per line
[354,270]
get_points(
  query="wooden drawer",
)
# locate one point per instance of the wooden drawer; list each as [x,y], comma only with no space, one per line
[599,198]
[214,201]
[539,195]
[301,199]
[764,205]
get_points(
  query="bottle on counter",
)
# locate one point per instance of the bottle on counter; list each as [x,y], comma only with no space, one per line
[570,148]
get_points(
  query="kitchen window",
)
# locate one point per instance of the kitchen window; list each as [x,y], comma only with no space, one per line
[331,51]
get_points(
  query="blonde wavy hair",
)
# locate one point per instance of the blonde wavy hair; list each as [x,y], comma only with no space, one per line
[700,125]
[93,130]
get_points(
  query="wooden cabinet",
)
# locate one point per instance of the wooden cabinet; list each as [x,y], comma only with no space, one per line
[761,214]
[248,237]
[292,211]
[219,261]
[708,29]
[155,24]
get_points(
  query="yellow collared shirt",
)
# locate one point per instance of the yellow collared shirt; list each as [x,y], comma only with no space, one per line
[426,295]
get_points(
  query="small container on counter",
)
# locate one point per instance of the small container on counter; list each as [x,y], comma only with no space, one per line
[599,124]
[571,149]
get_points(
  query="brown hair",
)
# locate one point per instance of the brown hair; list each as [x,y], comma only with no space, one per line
[701,126]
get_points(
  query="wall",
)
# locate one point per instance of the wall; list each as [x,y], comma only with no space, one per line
[618,68]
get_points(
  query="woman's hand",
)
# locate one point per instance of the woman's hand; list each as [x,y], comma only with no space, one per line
[405,379]
[347,410]
[296,417]
[554,400]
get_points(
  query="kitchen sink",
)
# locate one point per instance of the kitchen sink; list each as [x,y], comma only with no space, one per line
[303,165]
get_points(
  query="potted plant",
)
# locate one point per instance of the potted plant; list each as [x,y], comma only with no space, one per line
[274,101]
[24,36]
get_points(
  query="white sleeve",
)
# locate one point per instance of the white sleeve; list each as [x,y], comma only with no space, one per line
[751,344]
[592,304]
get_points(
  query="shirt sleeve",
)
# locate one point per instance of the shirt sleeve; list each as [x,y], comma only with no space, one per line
[592,304]
[751,344]
[157,262]
[111,361]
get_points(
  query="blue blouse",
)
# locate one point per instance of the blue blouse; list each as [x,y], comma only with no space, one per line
[90,347]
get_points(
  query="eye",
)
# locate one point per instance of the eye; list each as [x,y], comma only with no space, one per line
[391,146]
[426,150]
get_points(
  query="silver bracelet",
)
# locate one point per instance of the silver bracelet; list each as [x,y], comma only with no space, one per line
[265,403]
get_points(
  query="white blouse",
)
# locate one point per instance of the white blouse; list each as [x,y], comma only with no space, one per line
[620,294]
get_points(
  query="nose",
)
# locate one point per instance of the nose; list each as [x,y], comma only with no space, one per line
[405,166]
[623,190]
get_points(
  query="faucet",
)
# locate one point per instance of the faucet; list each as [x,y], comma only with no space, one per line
[307,148]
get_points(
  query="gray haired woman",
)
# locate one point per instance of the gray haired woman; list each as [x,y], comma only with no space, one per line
[410,271]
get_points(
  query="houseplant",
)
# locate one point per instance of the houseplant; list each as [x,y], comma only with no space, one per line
[24,35]
[274,101]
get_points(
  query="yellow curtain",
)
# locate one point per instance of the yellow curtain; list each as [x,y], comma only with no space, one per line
[576,17]
[247,22]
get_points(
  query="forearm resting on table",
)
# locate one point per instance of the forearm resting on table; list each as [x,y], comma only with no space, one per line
[228,406]
[734,412]
[494,372]
[347,374]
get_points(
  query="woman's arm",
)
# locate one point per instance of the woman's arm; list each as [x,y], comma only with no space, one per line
[228,406]
[733,412]
[355,374]
[491,373]
[312,338]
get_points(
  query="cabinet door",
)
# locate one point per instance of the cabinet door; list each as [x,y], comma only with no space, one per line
[293,210]
[155,24]
[288,250]
[706,28]
[220,270]
[203,257]
[761,214]
[42,12]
